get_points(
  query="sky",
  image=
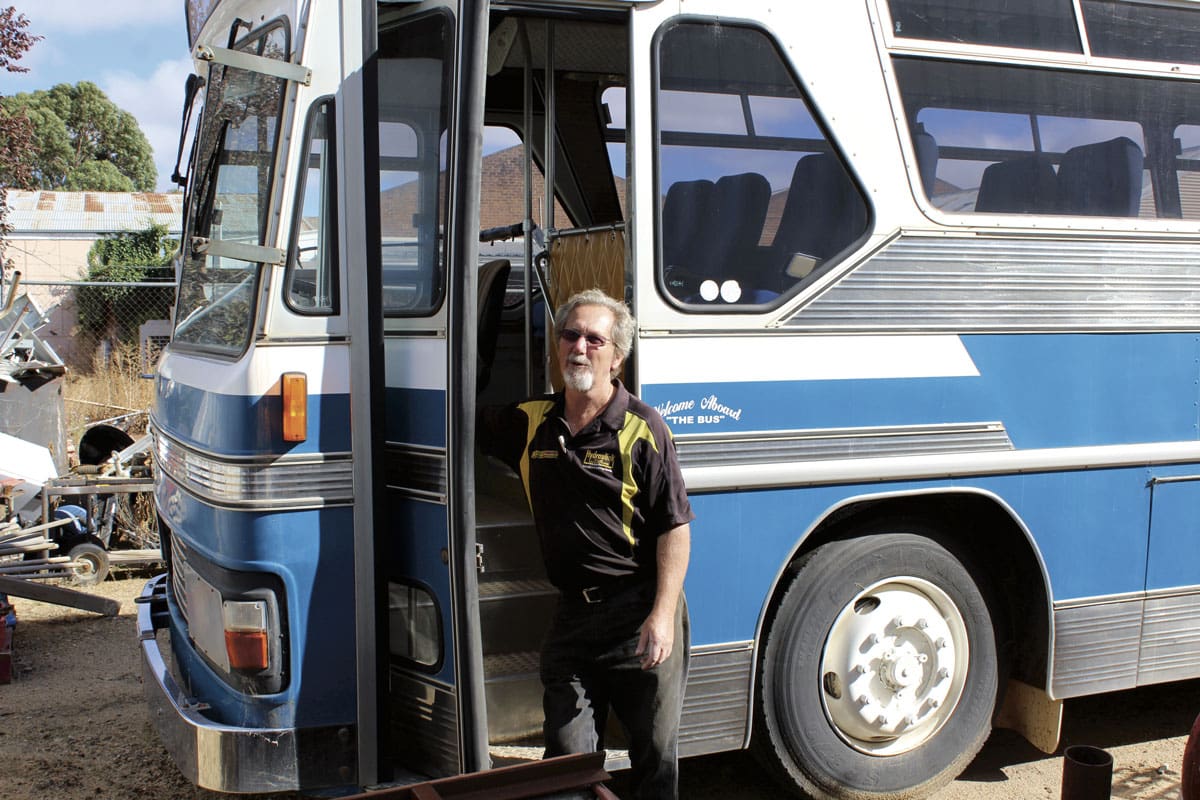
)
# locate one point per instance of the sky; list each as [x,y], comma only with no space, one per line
[135,50]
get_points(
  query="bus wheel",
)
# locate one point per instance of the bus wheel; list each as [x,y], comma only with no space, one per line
[879,674]
[89,563]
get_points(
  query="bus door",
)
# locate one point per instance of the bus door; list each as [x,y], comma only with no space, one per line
[547,168]
[420,102]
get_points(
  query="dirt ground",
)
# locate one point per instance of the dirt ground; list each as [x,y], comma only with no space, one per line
[73,725]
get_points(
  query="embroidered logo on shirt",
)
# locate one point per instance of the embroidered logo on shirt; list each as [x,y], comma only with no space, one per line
[603,460]
[544,454]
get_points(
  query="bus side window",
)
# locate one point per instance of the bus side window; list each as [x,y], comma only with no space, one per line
[754,197]
[1187,169]
[1002,151]
[311,282]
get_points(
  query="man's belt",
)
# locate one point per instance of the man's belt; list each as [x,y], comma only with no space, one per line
[605,592]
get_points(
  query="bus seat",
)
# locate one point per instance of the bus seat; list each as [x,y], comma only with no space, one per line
[927,157]
[1101,179]
[739,209]
[823,212]
[493,281]
[1019,186]
[686,213]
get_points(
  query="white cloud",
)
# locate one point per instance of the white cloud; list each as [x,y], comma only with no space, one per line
[79,16]
[156,100]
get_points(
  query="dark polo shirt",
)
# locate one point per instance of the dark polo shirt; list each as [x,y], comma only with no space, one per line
[600,498]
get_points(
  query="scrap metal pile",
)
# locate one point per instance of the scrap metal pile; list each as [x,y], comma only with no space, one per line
[29,553]
[42,537]
[23,354]
[58,519]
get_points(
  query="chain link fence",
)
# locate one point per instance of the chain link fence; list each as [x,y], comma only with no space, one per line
[110,336]
[91,323]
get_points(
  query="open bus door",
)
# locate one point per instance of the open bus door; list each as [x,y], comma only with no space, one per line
[412,221]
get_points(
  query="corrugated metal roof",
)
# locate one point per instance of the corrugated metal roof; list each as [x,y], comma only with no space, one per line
[92,212]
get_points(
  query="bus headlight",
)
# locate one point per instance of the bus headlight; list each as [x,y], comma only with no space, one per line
[236,621]
[246,634]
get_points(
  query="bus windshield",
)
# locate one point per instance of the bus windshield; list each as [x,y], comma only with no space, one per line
[229,202]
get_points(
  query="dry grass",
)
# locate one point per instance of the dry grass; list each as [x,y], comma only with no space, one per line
[113,391]
[112,388]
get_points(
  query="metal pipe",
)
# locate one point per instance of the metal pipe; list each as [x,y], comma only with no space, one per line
[1087,773]
[12,292]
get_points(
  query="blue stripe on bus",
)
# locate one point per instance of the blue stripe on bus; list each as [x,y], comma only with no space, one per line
[1047,390]
[415,416]
[1090,527]
[240,425]
[308,551]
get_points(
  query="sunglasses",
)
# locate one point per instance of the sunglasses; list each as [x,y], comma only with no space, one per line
[594,340]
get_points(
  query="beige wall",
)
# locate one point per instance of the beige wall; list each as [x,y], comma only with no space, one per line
[52,259]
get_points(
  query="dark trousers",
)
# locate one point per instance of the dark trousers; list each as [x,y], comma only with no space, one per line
[588,666]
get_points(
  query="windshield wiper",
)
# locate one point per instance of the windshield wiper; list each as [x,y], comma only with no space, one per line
[190,89]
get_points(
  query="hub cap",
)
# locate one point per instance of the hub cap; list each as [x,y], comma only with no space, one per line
[894,666]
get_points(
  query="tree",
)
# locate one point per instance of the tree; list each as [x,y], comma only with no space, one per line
[127,257]
[82,142]
[16,139]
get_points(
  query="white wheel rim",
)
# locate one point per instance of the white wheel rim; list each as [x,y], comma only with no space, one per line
[85,566]
[894,666]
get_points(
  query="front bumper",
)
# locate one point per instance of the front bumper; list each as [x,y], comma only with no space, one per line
[225,758]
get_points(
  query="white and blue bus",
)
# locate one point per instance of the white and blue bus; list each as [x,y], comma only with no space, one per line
[918,291]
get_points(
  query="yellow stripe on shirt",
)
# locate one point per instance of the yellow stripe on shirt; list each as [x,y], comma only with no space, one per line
[634,430]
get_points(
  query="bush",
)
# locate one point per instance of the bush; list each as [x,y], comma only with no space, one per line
[116,312]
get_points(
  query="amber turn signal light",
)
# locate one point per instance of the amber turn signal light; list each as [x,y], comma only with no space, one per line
[295,406]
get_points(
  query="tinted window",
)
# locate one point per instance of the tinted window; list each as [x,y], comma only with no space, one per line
[1187,170]
[414,92]
[1018,140]
[754,198]
[1142,31]
[414,624]
[1034,24]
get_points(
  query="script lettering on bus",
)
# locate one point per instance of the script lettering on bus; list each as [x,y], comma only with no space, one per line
[680,412]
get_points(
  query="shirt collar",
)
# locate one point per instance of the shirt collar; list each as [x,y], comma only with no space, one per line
[613,416]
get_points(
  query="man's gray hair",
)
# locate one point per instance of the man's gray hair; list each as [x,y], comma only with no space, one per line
[624,324]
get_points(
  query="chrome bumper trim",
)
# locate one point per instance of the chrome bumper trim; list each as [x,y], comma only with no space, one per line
[212,756]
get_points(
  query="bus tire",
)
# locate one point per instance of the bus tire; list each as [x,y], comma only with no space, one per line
[89,563]
[879,673]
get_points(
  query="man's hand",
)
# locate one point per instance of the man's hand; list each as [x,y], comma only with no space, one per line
[656,640]
[657,636]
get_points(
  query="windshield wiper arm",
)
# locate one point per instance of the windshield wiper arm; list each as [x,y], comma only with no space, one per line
[190,89]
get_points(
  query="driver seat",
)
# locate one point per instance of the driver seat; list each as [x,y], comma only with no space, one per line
[493,281]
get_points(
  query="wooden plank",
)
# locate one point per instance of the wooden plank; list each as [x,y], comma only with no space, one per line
[45,526]
[33,547]
[59,596]
[33,565]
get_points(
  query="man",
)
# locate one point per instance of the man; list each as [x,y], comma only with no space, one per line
[609,505]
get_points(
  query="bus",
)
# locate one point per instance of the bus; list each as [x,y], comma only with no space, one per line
[918,291]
